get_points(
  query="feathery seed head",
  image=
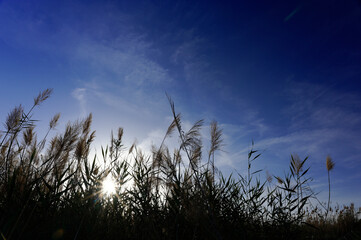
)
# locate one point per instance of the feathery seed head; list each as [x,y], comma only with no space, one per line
[28,135]
[216,138]
[279,180]
[296,163]
[132,147]
[329,163]
[91,138]
[173,125]
[86,124]
[80,149]
[53,122]
[269,177]
[14,117]
[42,96]
[120,133]
[4,147]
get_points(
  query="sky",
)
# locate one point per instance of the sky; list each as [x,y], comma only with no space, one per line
[284,74]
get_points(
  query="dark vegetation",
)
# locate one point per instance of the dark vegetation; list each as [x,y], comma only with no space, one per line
[53,189]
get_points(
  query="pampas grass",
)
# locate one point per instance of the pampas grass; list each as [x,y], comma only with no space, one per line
[329,165]
[52,189]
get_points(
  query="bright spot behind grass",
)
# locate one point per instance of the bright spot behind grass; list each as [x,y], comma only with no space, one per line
[108,186]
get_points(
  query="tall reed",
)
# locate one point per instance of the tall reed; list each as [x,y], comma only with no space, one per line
[329,165]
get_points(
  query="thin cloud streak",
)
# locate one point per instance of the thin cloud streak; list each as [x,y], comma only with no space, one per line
[80,95]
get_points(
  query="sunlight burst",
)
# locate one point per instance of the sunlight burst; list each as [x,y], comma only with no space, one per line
[108,187]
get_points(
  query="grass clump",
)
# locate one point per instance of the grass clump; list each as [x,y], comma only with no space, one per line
[54,189]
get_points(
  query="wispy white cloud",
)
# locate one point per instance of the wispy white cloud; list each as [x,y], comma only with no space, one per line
[316,105]
[130,68]
[80,95]
[122,50]
[321,119]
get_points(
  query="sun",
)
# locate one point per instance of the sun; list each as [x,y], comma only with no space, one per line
[108,186]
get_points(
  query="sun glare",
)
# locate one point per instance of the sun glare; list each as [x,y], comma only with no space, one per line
[108,187]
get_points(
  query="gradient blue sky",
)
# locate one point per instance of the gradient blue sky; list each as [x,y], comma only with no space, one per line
[283,73]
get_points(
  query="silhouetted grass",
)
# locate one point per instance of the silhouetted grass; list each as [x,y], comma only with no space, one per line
[52,189]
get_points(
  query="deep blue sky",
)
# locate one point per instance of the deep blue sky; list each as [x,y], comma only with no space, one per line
[285,74]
